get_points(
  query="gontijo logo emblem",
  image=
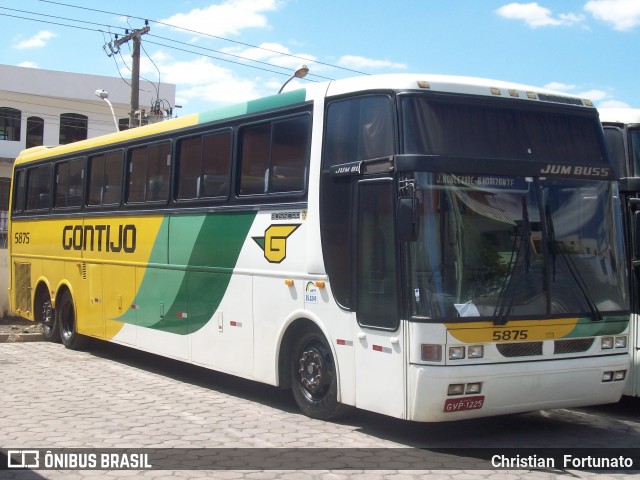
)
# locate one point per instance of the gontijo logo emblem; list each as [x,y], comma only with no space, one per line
[274,242]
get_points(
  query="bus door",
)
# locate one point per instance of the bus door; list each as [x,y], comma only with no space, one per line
[378,340]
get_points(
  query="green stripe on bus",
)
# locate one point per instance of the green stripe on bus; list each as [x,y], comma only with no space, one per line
[254,106]
[610,325]
[183,300]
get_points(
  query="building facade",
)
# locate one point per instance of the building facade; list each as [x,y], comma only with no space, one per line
[46,107]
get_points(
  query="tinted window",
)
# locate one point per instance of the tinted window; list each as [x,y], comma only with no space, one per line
[358,129]
[39,187]
[274,156]
[456,129]
[105,179]
[69,177]
[204,166]
[149,170]
[19,188]
[377,277]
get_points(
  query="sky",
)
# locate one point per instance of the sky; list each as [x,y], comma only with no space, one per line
[219,52]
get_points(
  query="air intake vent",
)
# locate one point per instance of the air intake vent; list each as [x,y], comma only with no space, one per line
[574,345]
[522,349]
[83,269]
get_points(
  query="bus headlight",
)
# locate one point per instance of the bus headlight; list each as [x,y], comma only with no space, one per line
[606,343]
[620,342]
[456,353]
[475,351]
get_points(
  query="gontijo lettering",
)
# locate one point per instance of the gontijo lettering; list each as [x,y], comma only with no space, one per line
[100,238]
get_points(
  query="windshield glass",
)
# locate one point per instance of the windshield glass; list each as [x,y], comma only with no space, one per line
[497,246]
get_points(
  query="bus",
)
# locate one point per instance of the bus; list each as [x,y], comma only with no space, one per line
[426,247]
[622,134]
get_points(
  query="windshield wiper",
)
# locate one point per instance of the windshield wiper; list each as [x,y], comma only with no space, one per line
[571,266]
[507,297]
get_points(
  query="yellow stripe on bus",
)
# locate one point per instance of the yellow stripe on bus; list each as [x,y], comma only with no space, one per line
[109,139]
[515,330]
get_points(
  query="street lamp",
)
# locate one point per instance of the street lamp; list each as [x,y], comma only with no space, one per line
[300,72]
[104,95]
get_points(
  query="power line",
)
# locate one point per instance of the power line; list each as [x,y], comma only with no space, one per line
[60,18]
[270,70]
[204,34]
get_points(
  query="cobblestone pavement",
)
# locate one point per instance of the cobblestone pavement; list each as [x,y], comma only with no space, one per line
[113,397]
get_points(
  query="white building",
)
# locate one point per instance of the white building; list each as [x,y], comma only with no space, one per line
[45,107]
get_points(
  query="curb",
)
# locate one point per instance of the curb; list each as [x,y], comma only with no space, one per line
[21,337]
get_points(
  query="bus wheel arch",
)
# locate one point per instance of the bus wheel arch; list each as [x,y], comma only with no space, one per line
[307,365]
[65,313]
[44,313]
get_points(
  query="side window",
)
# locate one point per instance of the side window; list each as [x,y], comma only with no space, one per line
[377,294]
[274,156]
[35,132]
[255,159]
[10,119]
[39,188]
[69,177]
[73,127]
[358,129]
[19,189]
[105,179]
[203,166]
[149,170]
[289,152]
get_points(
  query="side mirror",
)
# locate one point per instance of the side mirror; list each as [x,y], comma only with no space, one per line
[408,218]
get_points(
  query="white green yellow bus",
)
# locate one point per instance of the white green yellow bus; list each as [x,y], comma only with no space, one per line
[622,133]
[427,247]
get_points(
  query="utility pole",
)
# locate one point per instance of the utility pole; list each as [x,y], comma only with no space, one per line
[135,67]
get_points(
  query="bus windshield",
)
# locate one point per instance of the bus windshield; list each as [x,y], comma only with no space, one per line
[512,247]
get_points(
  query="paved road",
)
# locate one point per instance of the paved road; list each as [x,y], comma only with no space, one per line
[113,397]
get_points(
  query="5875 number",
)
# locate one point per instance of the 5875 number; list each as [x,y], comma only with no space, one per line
[507,335]
[21,238]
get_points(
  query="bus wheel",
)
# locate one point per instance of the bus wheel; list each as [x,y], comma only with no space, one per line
[45,314]
[66,318]
[313,377]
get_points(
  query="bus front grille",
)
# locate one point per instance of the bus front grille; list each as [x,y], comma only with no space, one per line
[573,345]
[520,349]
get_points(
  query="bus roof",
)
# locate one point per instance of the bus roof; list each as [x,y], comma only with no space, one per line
[452,84]
[428,82]
[619,115]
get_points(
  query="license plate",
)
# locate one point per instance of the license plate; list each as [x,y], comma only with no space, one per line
[465,403]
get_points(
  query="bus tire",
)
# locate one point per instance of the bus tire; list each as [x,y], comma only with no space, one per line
[313,376]
[66,318]
[45,315]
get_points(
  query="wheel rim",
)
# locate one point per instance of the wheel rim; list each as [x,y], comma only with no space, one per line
[314,372]
[48,320]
